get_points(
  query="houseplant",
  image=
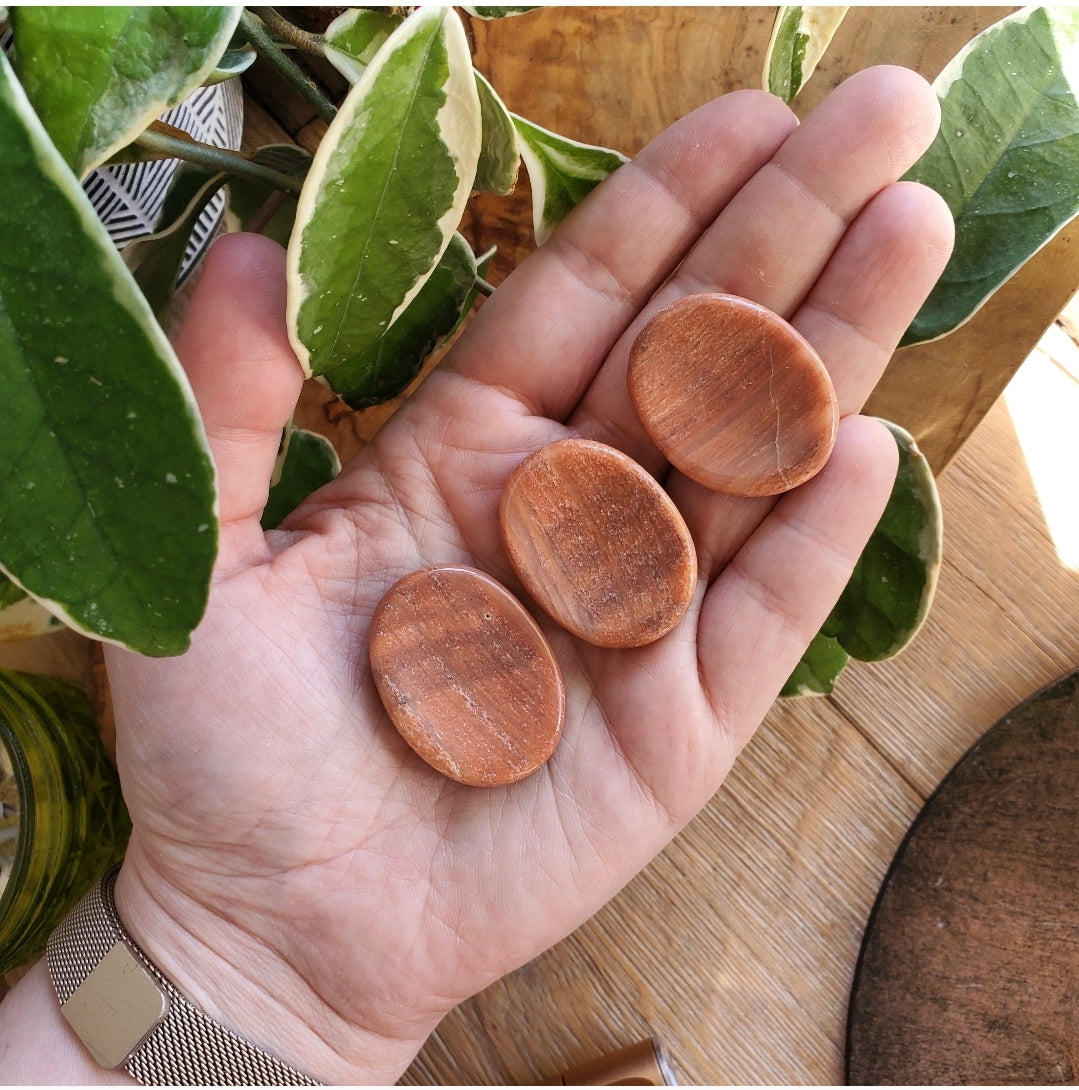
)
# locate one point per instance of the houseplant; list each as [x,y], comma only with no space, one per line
[416,281]
[437,259]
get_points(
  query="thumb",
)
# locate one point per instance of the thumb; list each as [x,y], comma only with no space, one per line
[235,349]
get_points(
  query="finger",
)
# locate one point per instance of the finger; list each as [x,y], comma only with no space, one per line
[245,376]
[780,231]
[874,285]
[868,294]
[771,600]
[772,241]
[545,332]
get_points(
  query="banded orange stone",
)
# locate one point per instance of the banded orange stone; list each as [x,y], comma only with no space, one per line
[598,544]
[466,675]
[733,395]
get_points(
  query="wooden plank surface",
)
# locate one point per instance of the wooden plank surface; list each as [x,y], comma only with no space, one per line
[943,389]
[734,947]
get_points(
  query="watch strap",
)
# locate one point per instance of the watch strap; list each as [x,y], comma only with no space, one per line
[129,1014]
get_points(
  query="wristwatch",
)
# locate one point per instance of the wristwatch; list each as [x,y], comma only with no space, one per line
[129,1015]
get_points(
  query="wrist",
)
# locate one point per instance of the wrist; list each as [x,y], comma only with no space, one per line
[38,1047]
[241,976]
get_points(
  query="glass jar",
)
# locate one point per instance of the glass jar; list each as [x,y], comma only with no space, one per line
[64,821]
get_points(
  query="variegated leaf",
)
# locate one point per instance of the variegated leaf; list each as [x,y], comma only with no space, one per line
[385,193]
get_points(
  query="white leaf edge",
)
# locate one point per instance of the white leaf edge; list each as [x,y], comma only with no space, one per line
[483,82]
[931,540]
[459,121]
[291,430]
[155,108]
[537,175]
[26,620]
[952,71]
[115,274]
[344,62]
[508,11]
[819,23]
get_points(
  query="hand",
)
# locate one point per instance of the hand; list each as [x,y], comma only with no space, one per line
[295,868]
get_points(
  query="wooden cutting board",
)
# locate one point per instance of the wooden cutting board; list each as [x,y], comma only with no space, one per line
[969,971]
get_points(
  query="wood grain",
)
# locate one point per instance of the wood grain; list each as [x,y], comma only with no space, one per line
[466,676]
[938,392]
[943,389]
[733,395]
[598,544]
[736,947]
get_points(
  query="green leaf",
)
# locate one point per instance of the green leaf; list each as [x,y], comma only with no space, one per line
[10,593]
[97,76]
[500,156]
[155,260]
[21,618]
[389,365]
[892,585]
[385,193]
[355,36]
[1006,158]
[497,13]
[233,62]
[483,263]
[818,670]
[307,461]
[562,172]
[891,589]
[799,38]
[107,487]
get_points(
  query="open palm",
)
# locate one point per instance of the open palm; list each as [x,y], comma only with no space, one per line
[295,867]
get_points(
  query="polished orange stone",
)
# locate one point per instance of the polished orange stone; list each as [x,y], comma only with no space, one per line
[733,395]
[598,544]
[466,675]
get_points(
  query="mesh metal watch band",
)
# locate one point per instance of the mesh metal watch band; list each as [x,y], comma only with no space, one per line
[187,1047]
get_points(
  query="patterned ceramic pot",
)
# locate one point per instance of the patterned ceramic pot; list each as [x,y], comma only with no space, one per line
[128,198]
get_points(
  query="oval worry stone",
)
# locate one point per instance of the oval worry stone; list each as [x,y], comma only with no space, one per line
[732,395]
[598,544]
[466,675]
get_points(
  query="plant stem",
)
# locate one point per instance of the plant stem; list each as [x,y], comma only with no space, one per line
[270,207]
[194,151]
[483,287]
[303,40]
[290,72]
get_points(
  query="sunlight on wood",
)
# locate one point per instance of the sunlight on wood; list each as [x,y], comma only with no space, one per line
[1043,401]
